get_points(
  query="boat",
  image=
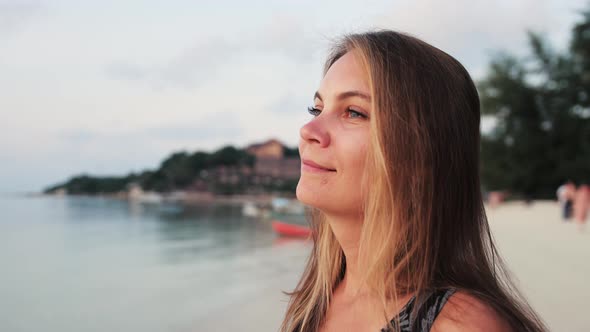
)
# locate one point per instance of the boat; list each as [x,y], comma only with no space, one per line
[250,210]
[284,228]
[137,194]
[148,197]
[288,219]
[287,206]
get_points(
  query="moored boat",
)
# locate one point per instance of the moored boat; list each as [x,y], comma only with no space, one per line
[288,218]
[284,228]
[250,209]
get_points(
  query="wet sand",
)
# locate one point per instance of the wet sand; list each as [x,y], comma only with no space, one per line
[550,260]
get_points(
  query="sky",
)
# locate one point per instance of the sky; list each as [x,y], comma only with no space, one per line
[112,87]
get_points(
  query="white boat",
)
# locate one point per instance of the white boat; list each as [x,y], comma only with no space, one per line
[137,194]
[288,206]
[250,210]
[149,197]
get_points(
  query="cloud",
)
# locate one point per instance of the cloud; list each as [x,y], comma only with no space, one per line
[213,126]
[287,36]
[79,135]
[219,129]
[15,14]
[126,71]
[188,69]
[290,103]
[282,36]
[473,31]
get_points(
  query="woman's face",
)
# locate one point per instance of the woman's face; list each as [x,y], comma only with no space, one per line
[334,142]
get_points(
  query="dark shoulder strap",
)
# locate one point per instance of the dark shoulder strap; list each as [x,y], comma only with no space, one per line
[429,308]
[403,318]
[419,314]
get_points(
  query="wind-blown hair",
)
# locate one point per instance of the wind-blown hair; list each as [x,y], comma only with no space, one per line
[424,226]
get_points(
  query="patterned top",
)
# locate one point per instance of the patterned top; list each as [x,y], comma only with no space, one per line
[421,318]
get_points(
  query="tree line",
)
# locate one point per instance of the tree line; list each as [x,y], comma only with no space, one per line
[181,170]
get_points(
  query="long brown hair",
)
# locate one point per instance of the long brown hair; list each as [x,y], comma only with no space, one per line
[424,226]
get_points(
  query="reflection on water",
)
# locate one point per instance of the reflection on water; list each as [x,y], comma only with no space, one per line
[97,264]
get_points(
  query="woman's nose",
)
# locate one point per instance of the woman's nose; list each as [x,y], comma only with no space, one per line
[315,132]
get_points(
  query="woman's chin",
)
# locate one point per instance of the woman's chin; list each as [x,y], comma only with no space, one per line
[307,196]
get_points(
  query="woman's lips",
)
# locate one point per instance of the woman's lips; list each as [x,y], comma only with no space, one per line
[310,166]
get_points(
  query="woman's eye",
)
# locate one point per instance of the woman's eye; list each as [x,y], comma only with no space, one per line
[355,114]
[314,111]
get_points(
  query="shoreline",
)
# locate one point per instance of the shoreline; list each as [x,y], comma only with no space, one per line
[182,197]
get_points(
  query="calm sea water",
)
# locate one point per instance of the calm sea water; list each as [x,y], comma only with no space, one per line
[97,264]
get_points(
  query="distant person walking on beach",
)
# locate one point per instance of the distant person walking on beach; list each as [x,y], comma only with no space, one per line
[565,196]
[582,204]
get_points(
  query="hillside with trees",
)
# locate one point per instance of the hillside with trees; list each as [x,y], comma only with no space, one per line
[226,171]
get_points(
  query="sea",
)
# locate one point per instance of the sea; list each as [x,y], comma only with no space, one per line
[103,264]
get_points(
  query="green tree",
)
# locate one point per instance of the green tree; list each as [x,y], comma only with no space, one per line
[230,156]
[540,104]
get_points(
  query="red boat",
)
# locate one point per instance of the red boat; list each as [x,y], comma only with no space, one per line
[289,229]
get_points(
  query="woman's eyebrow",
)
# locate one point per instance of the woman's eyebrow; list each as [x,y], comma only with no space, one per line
[347,94]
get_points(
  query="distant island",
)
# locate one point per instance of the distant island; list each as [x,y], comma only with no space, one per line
[259,169]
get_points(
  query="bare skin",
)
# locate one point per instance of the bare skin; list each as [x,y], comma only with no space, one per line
[464,312]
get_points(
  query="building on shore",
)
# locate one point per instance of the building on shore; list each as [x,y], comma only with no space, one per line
[271,161]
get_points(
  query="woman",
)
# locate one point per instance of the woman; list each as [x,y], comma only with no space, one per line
[390,168]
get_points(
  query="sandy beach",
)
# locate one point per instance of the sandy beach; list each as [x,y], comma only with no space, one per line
[550,260]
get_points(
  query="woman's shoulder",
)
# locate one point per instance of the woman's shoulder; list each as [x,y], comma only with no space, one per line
[465,312]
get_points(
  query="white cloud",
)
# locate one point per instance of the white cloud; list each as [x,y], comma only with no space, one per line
[472,30]
[281,36]
[15,14]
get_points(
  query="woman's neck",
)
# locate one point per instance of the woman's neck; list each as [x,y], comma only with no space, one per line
[352,292]
[347,232]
